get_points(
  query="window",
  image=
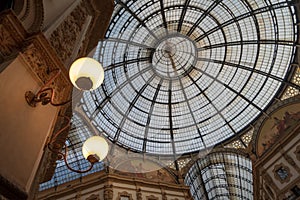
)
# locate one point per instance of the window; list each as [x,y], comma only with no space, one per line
[124,196]
[282,173]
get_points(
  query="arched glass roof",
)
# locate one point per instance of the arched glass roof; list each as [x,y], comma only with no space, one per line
[221,175]
[184,75]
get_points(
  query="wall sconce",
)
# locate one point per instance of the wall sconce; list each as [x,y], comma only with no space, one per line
[45,95]
[94,149]
[85,74]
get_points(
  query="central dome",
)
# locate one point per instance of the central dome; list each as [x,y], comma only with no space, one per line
[174,56]
[183,76]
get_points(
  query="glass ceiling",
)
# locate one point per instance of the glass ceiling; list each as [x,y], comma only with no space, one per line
[182,76]
[185,75]
[221,175]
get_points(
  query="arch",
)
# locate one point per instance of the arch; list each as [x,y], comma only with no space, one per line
[224,173]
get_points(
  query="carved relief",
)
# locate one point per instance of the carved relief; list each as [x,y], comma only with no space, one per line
[108,192]
[68,33]
[43,66]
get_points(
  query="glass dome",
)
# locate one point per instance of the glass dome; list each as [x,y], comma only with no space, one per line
[221,175]
[182,76]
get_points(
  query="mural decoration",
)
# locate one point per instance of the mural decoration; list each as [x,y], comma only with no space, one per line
[283,121]
[143,169]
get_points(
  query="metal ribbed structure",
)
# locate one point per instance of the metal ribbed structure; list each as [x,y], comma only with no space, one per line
[221,175]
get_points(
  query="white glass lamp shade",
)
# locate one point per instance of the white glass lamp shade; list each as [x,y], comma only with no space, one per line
[95,145]
[86,73]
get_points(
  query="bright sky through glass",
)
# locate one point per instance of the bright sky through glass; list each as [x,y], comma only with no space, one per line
[186,75]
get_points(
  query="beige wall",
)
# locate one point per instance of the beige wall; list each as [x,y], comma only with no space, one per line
[23,129]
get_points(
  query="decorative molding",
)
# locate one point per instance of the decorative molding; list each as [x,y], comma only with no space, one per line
[93,197]
[139,194]
[284,171]
[290,160]
[37,24]
[108,192]
[67,34]
[12,34]
[164,195]
[268,181]
[27,9]
[33,11]
[124,194]
[40,58]
[42,61]
[102,181]
[151,197]
[269,191]
[297,152]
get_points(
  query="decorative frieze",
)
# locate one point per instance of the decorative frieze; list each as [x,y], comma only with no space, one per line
[43,63]
[67,34]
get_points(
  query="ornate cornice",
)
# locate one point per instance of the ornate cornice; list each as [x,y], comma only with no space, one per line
[42,61]
[110,182]
[12,35]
